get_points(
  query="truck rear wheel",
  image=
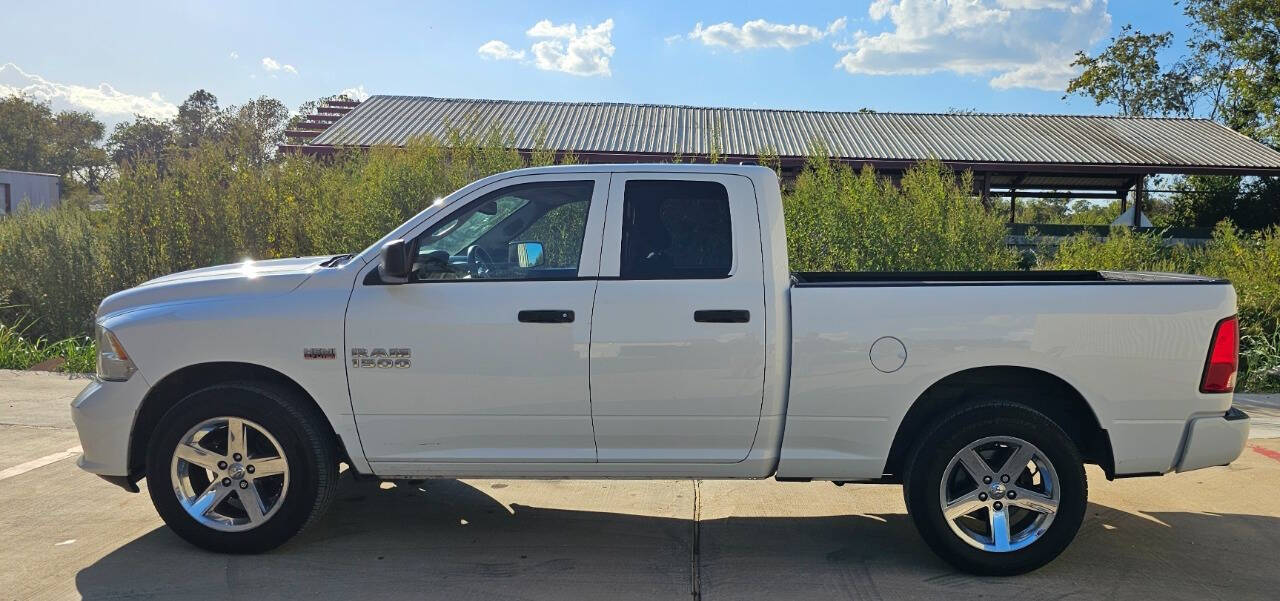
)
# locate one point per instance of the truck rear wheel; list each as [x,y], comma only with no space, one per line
[996,488]
[240,467]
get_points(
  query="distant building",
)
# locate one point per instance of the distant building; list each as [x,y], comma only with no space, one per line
[39,190]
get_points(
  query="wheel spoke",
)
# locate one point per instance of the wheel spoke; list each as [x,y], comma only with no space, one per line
[236,433]
[268,467]
[962,506]
[1034,501]
[999,520]
[199,456]
[975,465]
[210,498]
[1017,462]
[252,502]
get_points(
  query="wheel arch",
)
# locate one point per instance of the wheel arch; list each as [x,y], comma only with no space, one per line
[178,384]
[1050,395]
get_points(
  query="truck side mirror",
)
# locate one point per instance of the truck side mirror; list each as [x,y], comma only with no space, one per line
[394,267]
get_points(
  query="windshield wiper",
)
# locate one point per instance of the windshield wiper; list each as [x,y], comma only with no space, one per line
[335,261]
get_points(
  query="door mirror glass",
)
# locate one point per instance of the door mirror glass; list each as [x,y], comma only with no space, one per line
[526,253]
[394,266]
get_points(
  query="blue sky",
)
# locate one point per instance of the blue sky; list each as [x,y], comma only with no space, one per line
[116,59]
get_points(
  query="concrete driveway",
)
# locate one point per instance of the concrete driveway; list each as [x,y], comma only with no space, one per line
[1209,534]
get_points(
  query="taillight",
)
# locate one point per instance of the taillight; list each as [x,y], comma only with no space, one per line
[1224,357]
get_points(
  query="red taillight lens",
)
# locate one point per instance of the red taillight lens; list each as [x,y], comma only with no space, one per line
[1224,357]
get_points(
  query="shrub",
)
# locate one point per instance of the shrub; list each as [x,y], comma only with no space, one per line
[50,271]
[841,220]
[1122,250]
[210,207]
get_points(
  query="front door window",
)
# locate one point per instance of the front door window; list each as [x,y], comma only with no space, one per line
[524,232]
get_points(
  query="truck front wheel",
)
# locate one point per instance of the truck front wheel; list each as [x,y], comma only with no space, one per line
[996,488]
[240,467]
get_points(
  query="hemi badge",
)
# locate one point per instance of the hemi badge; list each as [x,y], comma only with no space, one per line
[319,353]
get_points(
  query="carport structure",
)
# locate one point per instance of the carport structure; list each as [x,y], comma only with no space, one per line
[1010,155]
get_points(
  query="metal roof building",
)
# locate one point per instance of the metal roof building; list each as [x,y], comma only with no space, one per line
[34,190]
[1009,154]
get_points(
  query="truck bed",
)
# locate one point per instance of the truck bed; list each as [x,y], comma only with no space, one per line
[813,279]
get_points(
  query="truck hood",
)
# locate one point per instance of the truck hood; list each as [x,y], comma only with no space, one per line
[264,278]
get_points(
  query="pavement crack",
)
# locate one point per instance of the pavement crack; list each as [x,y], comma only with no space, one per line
[695,559]
[36,426]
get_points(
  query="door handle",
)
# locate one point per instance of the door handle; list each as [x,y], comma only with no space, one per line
[722,316]
[546,316]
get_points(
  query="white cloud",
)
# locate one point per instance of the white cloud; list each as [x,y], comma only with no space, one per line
[234,55]
[103,99]
[356,93]
[1019,43]
[271,64]
[762,34]
[565,48]
[498,50]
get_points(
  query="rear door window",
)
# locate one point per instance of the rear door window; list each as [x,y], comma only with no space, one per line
[675,229]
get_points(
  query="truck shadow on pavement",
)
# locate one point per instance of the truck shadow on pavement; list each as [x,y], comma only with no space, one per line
[450,540]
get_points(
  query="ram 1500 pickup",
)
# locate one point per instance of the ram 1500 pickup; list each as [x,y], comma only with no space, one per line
[640,321]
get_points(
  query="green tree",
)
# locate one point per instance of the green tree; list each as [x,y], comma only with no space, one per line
[34,138]
[24,129]
[255,128]
[1235,48]
[143,140]
[1230,72]
[74,150]
[197,120]
[1128,73]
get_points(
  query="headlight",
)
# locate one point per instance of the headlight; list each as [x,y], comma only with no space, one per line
[113,363]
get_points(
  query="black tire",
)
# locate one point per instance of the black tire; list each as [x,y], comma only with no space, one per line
[302,435]
[969,424]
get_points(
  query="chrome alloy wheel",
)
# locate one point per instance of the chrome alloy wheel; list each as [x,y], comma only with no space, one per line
[1002,508]
[229,474]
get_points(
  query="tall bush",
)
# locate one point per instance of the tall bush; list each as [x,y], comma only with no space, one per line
[209,206]
[50,276]
[842,220]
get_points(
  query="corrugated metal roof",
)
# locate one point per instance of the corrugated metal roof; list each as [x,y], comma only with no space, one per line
[686,130]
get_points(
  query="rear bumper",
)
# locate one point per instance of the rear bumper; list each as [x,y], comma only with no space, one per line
[1213,440]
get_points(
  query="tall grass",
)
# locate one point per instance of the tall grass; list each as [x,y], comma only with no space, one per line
[17,351]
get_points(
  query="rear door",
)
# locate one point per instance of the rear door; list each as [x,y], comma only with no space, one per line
[677,340]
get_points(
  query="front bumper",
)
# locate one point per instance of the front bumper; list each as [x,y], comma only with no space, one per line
[1214,440]
[104,414]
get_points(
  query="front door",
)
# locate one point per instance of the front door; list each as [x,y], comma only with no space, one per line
[483,355]
[677,343]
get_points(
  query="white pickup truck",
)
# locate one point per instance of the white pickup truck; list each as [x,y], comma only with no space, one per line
[640,321]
